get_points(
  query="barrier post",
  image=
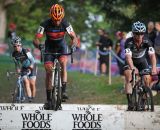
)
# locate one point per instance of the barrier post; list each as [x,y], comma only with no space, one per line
[85,59]
[96,64]
[109,69]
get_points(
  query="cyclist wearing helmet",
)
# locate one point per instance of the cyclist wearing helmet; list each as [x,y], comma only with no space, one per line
[136,49]
[25,64]
[55,29]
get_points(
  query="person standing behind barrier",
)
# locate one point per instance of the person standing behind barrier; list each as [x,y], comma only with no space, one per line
[119,49]
[151,33]
[105,44]
[11,35]
[12,31]
[27,68]
[157,42]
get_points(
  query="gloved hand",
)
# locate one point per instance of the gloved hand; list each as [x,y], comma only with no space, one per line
[41,47]
[73,48]
[25,72]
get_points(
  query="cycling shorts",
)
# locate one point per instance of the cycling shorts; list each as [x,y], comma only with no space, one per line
[32,75]
[139,64]
[104,59]
[55,47]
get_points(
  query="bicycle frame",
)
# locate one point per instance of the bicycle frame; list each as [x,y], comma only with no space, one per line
[18,94]
[56,80]
[140,90]
[20,86]
[53,71]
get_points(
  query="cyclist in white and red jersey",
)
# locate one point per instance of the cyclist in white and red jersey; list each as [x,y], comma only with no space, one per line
[55,29]
[25,64]
[136,49]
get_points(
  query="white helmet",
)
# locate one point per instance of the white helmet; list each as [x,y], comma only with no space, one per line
[16,41]
[138,27]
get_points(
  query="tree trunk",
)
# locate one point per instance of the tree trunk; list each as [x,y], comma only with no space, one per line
[2,23]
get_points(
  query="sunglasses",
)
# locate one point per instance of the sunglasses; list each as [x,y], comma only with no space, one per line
[137,33]
[16,46]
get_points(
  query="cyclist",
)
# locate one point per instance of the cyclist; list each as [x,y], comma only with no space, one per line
[136,49]
[25,64]
[55,29]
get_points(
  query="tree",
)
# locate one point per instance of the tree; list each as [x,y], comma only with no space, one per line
[3,8]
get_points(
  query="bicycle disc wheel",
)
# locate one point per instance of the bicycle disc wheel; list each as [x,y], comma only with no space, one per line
[145,101]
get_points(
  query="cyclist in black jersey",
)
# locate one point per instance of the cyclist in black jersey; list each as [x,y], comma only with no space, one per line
[136,49]
[55,29]
[25,64]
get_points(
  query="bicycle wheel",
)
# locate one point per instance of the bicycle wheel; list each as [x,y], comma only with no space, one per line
[59,88]
[56,93]
[14,95]
[134,98]
[145,101]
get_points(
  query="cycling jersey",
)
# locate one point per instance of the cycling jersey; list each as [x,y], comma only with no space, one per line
[139,54]
[20,57]
[54,34]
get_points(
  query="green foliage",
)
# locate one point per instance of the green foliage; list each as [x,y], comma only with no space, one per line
[84,15]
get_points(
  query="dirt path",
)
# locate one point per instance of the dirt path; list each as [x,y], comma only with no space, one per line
[41,92]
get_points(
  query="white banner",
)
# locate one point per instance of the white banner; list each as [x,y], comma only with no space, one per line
[76,117]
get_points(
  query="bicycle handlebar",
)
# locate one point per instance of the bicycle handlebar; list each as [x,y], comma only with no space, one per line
[141,73]
[9,73]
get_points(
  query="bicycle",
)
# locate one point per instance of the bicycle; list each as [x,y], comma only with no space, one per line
[142,98]
[56,83]
[18,95]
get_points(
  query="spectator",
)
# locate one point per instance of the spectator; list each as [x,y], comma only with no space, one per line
[157,42]
[11,35]
[105,44]
[119,49]
[12,31]
[151,31]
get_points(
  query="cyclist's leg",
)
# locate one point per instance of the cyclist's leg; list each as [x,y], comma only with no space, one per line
[63,61]
[48,67]
[144,65]
[32,80]
[128,86]
[27,86]
[147,80]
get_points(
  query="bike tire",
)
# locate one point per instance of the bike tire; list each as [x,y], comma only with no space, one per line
[56,91]
[14,95]
[134,98]
[59,93]
[145,101]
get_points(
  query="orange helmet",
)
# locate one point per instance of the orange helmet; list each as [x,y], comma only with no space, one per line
[56,12]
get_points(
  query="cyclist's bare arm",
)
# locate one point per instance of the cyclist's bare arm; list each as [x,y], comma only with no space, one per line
[36,42]
[38,36]
[129,60]
[152,56]
[31,58]
[72,34]
[17,65]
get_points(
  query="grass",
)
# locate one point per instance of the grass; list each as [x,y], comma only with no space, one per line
[87,88]
[82,88]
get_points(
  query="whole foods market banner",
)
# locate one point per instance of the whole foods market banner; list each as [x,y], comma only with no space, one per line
[76,117]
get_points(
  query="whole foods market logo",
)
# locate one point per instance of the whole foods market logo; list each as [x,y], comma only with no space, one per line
[87,121]
[36,121]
